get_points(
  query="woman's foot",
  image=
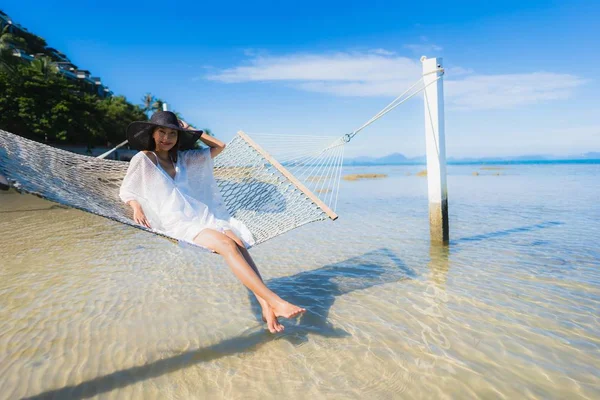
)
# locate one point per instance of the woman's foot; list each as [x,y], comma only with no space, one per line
[286,310]
[272,322]
[269,317]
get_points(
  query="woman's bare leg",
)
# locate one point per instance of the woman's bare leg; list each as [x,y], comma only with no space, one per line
[228,248]
[244,251]
[268,315]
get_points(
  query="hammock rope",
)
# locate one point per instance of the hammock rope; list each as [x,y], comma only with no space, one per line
[272,183]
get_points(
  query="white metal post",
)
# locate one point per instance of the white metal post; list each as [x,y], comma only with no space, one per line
[436,149]
[165,108]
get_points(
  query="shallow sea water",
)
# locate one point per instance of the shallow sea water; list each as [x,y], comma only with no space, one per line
[91,308]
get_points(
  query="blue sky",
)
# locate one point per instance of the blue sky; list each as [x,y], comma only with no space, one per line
[520,76]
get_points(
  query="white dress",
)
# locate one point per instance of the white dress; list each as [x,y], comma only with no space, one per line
[186,205]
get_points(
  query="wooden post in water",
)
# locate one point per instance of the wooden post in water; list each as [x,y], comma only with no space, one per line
[436,149]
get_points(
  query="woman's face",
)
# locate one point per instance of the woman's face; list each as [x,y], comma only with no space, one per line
[165,138]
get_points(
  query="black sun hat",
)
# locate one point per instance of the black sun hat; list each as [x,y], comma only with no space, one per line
[139,131]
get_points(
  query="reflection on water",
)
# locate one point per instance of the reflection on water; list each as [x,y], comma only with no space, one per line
[506,232]
[509,310]
[438,263]
[319,288]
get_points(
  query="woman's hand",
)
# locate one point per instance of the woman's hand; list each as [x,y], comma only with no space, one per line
[138,214]
[184,124]
[140,218]
[216,146]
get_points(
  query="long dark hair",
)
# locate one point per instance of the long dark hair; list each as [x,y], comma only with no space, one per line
[151,145]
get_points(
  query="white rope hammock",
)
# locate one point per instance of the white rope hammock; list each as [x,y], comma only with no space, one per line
[272,183]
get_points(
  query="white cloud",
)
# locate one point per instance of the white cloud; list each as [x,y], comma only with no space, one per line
[457,71]
[510,90]
[392,87]
[383,52]
[351,67]
[423,48]
[380,72]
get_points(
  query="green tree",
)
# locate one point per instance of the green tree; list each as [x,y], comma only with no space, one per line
[8,42]
[157,105]
[117,113]
[33,44]
[38,102]
[45,106]
[51,108]
[148,103]
[44,66]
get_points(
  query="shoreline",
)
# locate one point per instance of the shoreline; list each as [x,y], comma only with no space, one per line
[506,162]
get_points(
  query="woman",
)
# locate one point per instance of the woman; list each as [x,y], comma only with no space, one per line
[172,190]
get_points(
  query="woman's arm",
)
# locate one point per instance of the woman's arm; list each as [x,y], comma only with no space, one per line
[136,184]
[216,146]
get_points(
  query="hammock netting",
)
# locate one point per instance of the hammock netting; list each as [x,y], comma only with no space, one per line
[270,196]
[285,182]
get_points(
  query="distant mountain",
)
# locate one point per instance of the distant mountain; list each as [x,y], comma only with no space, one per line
[399,159]
[395,158]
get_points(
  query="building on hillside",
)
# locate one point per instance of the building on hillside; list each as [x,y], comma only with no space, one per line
[67,69]
[59,59]
[57,55]
[4,20]
[101,90]
[13,27]
[22,55]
